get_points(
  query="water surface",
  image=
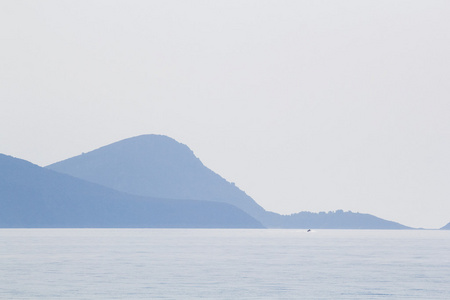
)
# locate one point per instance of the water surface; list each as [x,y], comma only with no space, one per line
[223,264]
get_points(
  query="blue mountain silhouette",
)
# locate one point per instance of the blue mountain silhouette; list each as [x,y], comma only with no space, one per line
[159,166]
[32,196]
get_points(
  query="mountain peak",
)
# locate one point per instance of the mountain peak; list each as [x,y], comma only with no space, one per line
[148,138]
[148,142]
[154,166]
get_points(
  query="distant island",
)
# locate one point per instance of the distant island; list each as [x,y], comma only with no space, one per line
[158,166]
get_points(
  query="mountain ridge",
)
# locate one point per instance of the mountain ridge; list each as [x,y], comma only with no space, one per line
[157,165]
[32,196]
[125,166]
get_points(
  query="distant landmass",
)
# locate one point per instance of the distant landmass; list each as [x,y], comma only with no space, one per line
[32,196]
[446,227]
[159,166]
[332,220]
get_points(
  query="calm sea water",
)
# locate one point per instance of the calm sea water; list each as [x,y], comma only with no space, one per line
[223,264]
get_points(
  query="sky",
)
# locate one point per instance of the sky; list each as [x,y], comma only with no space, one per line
[305,105]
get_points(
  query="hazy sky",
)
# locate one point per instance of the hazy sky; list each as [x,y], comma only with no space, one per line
[305,105]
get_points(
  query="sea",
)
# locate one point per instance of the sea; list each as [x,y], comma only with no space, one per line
[224,264]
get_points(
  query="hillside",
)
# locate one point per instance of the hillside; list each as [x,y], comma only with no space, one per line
[446,227]
[31,196]
[158,166]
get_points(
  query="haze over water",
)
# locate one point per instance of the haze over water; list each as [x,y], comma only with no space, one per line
[223,264]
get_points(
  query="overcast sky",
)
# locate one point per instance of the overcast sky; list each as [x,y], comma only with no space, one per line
[305,105]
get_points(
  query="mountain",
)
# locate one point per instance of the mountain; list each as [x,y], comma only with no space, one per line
[159,166]
[32,196]
[446,227]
